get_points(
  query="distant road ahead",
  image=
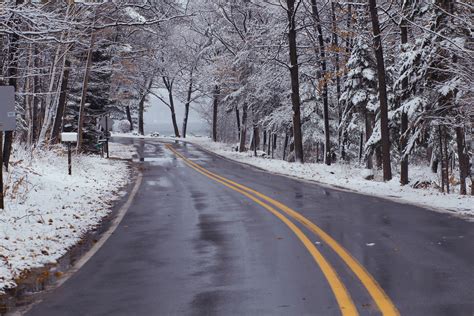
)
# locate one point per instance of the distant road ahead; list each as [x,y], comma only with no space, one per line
[207,236]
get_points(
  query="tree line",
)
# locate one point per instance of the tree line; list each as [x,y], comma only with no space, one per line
[384,84]
[380,83]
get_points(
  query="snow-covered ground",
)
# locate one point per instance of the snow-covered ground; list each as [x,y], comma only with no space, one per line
[47,211]
[136,135]
[352,177]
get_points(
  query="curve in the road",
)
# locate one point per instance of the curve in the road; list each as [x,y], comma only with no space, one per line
[343,298]
[383,302]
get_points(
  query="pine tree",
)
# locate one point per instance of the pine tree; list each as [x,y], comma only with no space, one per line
[359,99]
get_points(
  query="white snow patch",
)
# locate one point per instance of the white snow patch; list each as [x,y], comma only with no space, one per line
[47,211]
[132,13]
[351,177]
[133,135]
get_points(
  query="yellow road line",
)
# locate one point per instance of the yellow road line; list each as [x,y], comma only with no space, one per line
[343,298]
[379,296]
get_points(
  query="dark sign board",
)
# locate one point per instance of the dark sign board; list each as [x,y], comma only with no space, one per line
[7,108]
[106,123]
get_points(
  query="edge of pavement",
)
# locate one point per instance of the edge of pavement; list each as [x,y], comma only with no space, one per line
[398,200]
[38,282]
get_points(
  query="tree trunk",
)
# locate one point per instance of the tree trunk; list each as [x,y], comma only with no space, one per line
[129,117]
[49,120]
[434,162]
[237,116]
[169,86]
[214,112]
[335,43]
[36,101]
[141,110]
[337,73]
[295,85]
[446,160]
[349,40]
[463,160]
[58,121]
[387,168]
[141,106]
[404,117]
[7,148]
[378,157]
[29,87]
[274,145]
[187,105]
[369,128]
[85,84]
[12,72]
[403,143]
[291,148]
[343,145]
[441,157]
[269,144]
[264,139]
[173,115]
[243,129]
[322,55]
[255,140]
[285,145]
[317,151]
[185,119]
[257,136]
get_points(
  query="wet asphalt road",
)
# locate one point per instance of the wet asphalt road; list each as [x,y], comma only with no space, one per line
[191,246]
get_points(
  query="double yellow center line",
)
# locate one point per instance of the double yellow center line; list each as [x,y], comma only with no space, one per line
[343,298]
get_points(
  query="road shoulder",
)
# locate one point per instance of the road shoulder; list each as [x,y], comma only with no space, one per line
[37,282]
[453,204]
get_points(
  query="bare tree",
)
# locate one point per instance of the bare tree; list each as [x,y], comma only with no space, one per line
[387,168]
[294,76]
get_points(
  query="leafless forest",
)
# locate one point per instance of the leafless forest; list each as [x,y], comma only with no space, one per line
[385,84]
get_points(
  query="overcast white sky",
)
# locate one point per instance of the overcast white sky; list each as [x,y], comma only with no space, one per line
[158,118]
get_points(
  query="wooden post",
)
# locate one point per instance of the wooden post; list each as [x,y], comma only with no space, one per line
[69,160]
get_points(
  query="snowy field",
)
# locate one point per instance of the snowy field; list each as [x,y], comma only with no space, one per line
[352,177]
[47,211]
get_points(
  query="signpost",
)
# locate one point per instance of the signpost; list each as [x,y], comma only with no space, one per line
[106,126]
[7,123]
[69,138]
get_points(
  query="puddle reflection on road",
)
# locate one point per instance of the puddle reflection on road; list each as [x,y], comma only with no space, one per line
[155,161]
[162,182]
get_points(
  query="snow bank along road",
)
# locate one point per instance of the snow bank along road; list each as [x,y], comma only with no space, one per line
[207,236]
